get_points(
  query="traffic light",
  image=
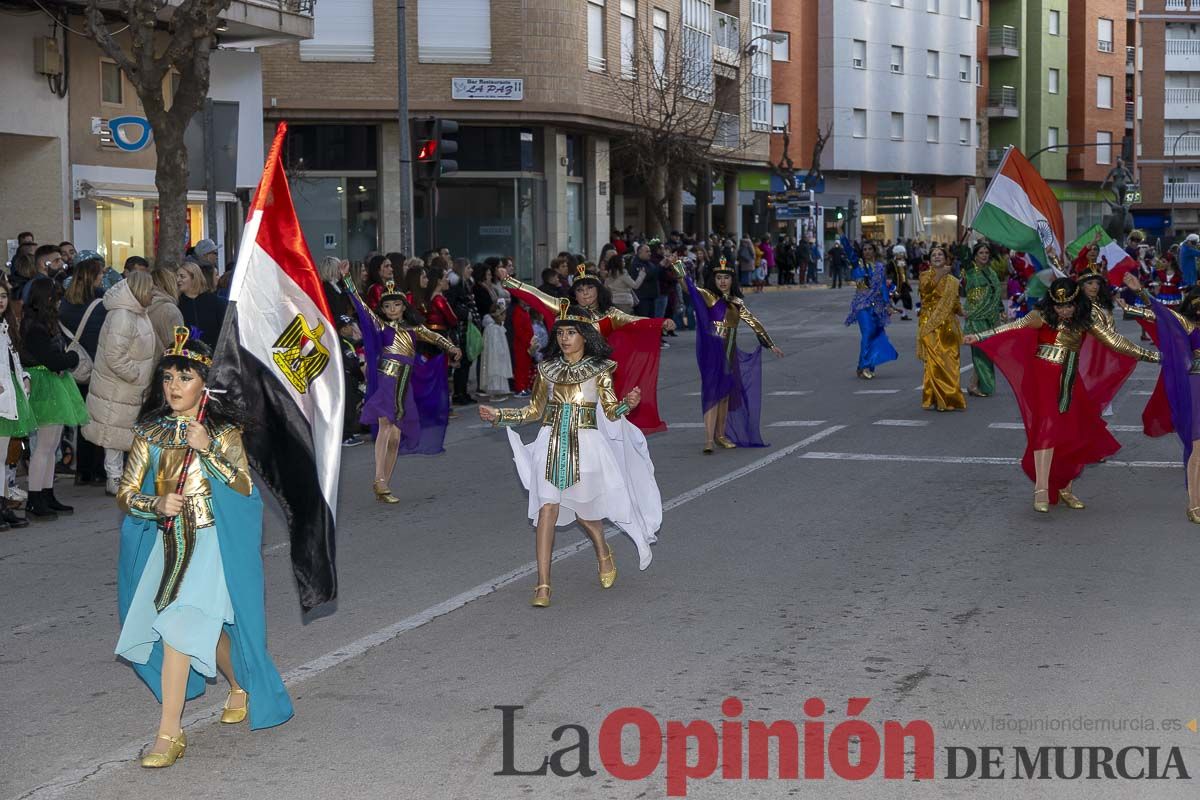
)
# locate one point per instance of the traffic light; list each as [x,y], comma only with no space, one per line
[839,213]
[434,148]
[852,210]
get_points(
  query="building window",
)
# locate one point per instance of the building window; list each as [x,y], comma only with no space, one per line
[964,69]
[964,131]
[931,6]
[1052,81]
[860,123]
[932,67]
[979,73]
[1104,90]
[780,115]
[697,50]
[343,31]
[897,58]
[112,88]
[964,8]
[760,67]
[897,131]
[898,3]
[628,38]
[455,32]
[1104,148]
[782,51]
[858,49]
[1104,35]
[932,131]
[1052,139]
[978,13]
[1052,24]
[595,32]
[661,20]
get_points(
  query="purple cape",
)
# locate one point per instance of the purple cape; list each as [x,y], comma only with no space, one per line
[736,375]
[1182,393]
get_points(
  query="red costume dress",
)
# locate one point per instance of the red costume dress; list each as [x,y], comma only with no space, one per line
[1041,362]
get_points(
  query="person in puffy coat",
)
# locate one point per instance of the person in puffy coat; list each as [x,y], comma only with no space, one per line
[163,310]
[124,365]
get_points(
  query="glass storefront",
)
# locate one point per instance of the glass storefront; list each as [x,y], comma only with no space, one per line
[128,226]
[339,215]
[481,217]
[938,221]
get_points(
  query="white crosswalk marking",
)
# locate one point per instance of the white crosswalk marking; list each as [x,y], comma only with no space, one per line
[790,394]
[797,423]
[877,391]
[1016,426]
[902,423]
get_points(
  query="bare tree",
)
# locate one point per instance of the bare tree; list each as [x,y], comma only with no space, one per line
[683,112]
[163,38]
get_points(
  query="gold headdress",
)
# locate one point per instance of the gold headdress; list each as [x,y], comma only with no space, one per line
[390,292]
[1093,270]
[576,318]
[723,268]
[179,348]
[1063,295]
[581,274]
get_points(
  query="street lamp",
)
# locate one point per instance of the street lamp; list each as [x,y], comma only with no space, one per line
[1174,149]
[774,37]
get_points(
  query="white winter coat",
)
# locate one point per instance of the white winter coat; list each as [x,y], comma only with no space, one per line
[123,368]
[165,316]
[10,362]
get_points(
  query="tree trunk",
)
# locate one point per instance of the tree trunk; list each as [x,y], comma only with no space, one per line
[658,220]
[171,178]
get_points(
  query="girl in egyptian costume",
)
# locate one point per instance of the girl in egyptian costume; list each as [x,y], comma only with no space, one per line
[869,308]
[588,462]
[1039,354]
[730,378]
[407,399]
[190,573]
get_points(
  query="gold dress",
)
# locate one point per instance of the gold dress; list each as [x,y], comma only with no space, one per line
[939,337]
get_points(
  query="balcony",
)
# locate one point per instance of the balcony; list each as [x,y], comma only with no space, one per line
[993,157]
[1129,113]
[1002,103]
[1130,60]
[727,38]
[1176,5]
[1181,192]
[1131,8]
[1003,42]
[249,23]
[728,134]
[1182,55]
[1181,103]
[1187,145]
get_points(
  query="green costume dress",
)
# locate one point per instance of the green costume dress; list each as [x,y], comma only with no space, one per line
[985,310]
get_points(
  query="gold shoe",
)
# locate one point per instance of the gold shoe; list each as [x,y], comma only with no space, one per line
[708,450]
[173,754]
[1069,499]
[232,716]
[1194,515]
[384,494]
[538,601]
[607,579]
[726,443]
[1044,505]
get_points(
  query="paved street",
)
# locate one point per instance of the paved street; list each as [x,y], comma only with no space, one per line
[873,550]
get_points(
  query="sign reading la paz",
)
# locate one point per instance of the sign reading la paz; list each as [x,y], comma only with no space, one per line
[487,88]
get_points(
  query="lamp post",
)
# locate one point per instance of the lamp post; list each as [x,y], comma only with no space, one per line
[774,37]
[1174,152]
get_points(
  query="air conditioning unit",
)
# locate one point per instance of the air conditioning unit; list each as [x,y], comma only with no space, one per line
[858,63]
[896,68]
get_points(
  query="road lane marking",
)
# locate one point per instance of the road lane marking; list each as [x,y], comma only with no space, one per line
[128,754]
[791,393]
[878,391]
[987,460]
[797,423]
[1017,426]
[901,423]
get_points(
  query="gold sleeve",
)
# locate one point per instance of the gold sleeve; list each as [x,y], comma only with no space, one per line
[614,408]
[755,325]
[225,460]
[1031,320]
[1187,324]
[1119,344]
[129,492]
[432,337]
[710,299]
[619,318]
[552,304]
[1140,312]
[528,413]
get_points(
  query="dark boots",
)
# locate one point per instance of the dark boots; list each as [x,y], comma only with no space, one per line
[9,517]
[37,507]
[53,504]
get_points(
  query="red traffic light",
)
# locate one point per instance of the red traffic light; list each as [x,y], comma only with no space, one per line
[428,150]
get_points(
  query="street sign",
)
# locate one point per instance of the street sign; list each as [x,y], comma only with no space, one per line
[894,187]
[1133,197]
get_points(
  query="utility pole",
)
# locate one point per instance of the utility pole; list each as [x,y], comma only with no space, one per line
[406,176]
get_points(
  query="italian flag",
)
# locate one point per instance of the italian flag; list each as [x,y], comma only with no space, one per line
[1118,261]
[1020,211]
[280,360]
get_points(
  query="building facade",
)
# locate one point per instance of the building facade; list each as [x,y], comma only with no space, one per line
[897,87]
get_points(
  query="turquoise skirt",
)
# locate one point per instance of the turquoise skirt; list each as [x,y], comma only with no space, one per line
[55,399]
[26,422]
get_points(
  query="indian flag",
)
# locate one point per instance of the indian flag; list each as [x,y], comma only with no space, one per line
[1111,253]
[1020,211]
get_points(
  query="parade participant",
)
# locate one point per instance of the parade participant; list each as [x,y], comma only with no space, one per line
[939,336]
[1103,370]
[1170,283]
[985,310]
[380,270]
[407,395]
[870,309]
[16,415]
[636,341]
[730,379]
[190,572]
[1179,341]
[1039,355]
[583,465]
[901,295]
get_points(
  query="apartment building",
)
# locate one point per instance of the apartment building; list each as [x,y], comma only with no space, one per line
[1166,63]
[794,99]
[535,86]
[67,174]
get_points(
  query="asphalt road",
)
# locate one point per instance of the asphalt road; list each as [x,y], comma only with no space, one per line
[873,550]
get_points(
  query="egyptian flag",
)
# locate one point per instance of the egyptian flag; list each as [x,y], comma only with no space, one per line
[278,359]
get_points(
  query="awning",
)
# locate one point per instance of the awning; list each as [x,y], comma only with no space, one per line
[99,191]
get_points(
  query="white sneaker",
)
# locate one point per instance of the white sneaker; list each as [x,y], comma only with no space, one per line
[17,494]
[111,486]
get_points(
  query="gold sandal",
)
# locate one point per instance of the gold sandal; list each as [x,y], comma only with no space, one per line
[541,602]
[232,716]
[1069,499]
[607,579]
[383,493]
[174,752]
[1044,505]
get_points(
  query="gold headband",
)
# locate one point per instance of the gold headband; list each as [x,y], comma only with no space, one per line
[1061,297]
[390,293]
[723,267]
[182,335]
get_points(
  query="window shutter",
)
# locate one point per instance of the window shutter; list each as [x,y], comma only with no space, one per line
[341,32]
[454,31]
